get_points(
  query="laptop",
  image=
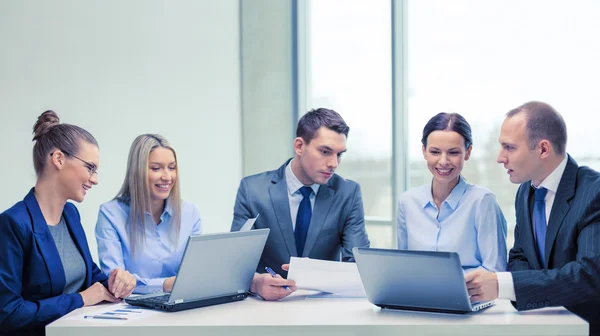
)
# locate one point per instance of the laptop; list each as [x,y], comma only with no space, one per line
[415,280]
[215,269]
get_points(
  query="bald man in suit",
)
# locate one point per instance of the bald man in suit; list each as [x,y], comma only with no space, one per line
[555,260]
[311,211]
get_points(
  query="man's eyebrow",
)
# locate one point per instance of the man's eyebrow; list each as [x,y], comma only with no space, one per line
[325,147]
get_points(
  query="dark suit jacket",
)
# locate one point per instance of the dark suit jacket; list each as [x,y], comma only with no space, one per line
[32,277]
[572,275]
[337,223]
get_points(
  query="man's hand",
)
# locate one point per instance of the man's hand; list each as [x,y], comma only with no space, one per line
[270,288]
[482,285]
[121,283]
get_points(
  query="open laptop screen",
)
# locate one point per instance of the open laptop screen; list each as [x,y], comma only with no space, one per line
[417,280]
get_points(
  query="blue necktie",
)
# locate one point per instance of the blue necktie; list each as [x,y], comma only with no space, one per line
[303,219]
[539,221]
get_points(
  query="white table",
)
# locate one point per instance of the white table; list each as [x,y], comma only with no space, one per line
[299,315]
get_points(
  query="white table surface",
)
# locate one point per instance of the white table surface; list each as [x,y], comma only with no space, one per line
[299,315]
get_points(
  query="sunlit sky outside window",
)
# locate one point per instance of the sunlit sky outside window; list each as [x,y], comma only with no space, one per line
[350,69]
[477,58]
[483,58]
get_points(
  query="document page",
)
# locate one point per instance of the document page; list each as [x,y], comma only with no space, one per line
[119,313]
[339,278]
[249,223]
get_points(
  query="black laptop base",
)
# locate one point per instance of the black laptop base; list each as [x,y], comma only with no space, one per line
[174,307]
[423,309]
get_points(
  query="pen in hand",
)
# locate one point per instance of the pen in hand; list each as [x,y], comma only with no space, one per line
[274,275]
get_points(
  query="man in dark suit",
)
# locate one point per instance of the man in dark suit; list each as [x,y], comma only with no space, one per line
[311,211]
[555,260]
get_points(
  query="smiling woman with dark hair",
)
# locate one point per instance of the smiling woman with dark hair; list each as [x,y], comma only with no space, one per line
[450,214]
[46,269]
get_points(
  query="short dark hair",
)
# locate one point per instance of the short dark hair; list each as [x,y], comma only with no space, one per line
[448,122]
[310,123]
[49,134]
[543,122]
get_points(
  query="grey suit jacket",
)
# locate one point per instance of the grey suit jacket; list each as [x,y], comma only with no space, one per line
[572,275]
[336,226]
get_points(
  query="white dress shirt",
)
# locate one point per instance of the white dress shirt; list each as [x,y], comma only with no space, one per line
[506,288]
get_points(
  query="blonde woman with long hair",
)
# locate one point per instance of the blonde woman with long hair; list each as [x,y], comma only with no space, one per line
[144,229]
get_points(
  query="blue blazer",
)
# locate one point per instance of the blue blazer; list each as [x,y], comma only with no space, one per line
[336,226]
[572,255]
[32,277]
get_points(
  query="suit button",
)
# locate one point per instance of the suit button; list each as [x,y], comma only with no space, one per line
[547,303]
[534,305]
[528,305]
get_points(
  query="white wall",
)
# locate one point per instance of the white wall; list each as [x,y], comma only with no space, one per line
[119,69]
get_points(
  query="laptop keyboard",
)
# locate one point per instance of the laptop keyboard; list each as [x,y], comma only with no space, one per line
[158,299]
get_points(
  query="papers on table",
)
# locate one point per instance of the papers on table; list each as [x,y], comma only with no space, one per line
[338,278]
[249,223]
[113,314]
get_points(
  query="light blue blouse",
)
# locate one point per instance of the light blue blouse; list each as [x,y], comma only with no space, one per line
[470,223]
[158,259]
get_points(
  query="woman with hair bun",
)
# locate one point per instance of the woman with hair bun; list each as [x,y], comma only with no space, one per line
[450,214]
[46,269]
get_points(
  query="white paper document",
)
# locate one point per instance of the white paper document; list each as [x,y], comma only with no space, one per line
[249,223]
[119,313]
[339,278]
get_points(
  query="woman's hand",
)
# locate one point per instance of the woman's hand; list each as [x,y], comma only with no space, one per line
[168,284]
[97,293]
[121,283]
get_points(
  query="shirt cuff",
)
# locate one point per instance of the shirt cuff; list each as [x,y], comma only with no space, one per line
[506,288]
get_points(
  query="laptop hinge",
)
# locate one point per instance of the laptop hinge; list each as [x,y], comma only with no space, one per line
[241,291]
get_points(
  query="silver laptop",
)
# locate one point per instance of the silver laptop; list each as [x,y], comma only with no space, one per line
[215,268]
[415,280]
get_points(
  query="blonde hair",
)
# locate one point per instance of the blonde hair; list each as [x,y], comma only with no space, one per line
[136,191]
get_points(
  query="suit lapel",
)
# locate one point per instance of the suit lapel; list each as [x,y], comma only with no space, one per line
[281,205]
[529,246]
[78,236]
[561,206]
[48,249]
[321,209]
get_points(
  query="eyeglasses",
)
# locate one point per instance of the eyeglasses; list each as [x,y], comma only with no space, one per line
[91,167]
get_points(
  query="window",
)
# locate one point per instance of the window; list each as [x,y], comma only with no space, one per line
[477,58]
[483,58]
[348,59]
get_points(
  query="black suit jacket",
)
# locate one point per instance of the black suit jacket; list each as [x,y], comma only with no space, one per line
[572,275]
